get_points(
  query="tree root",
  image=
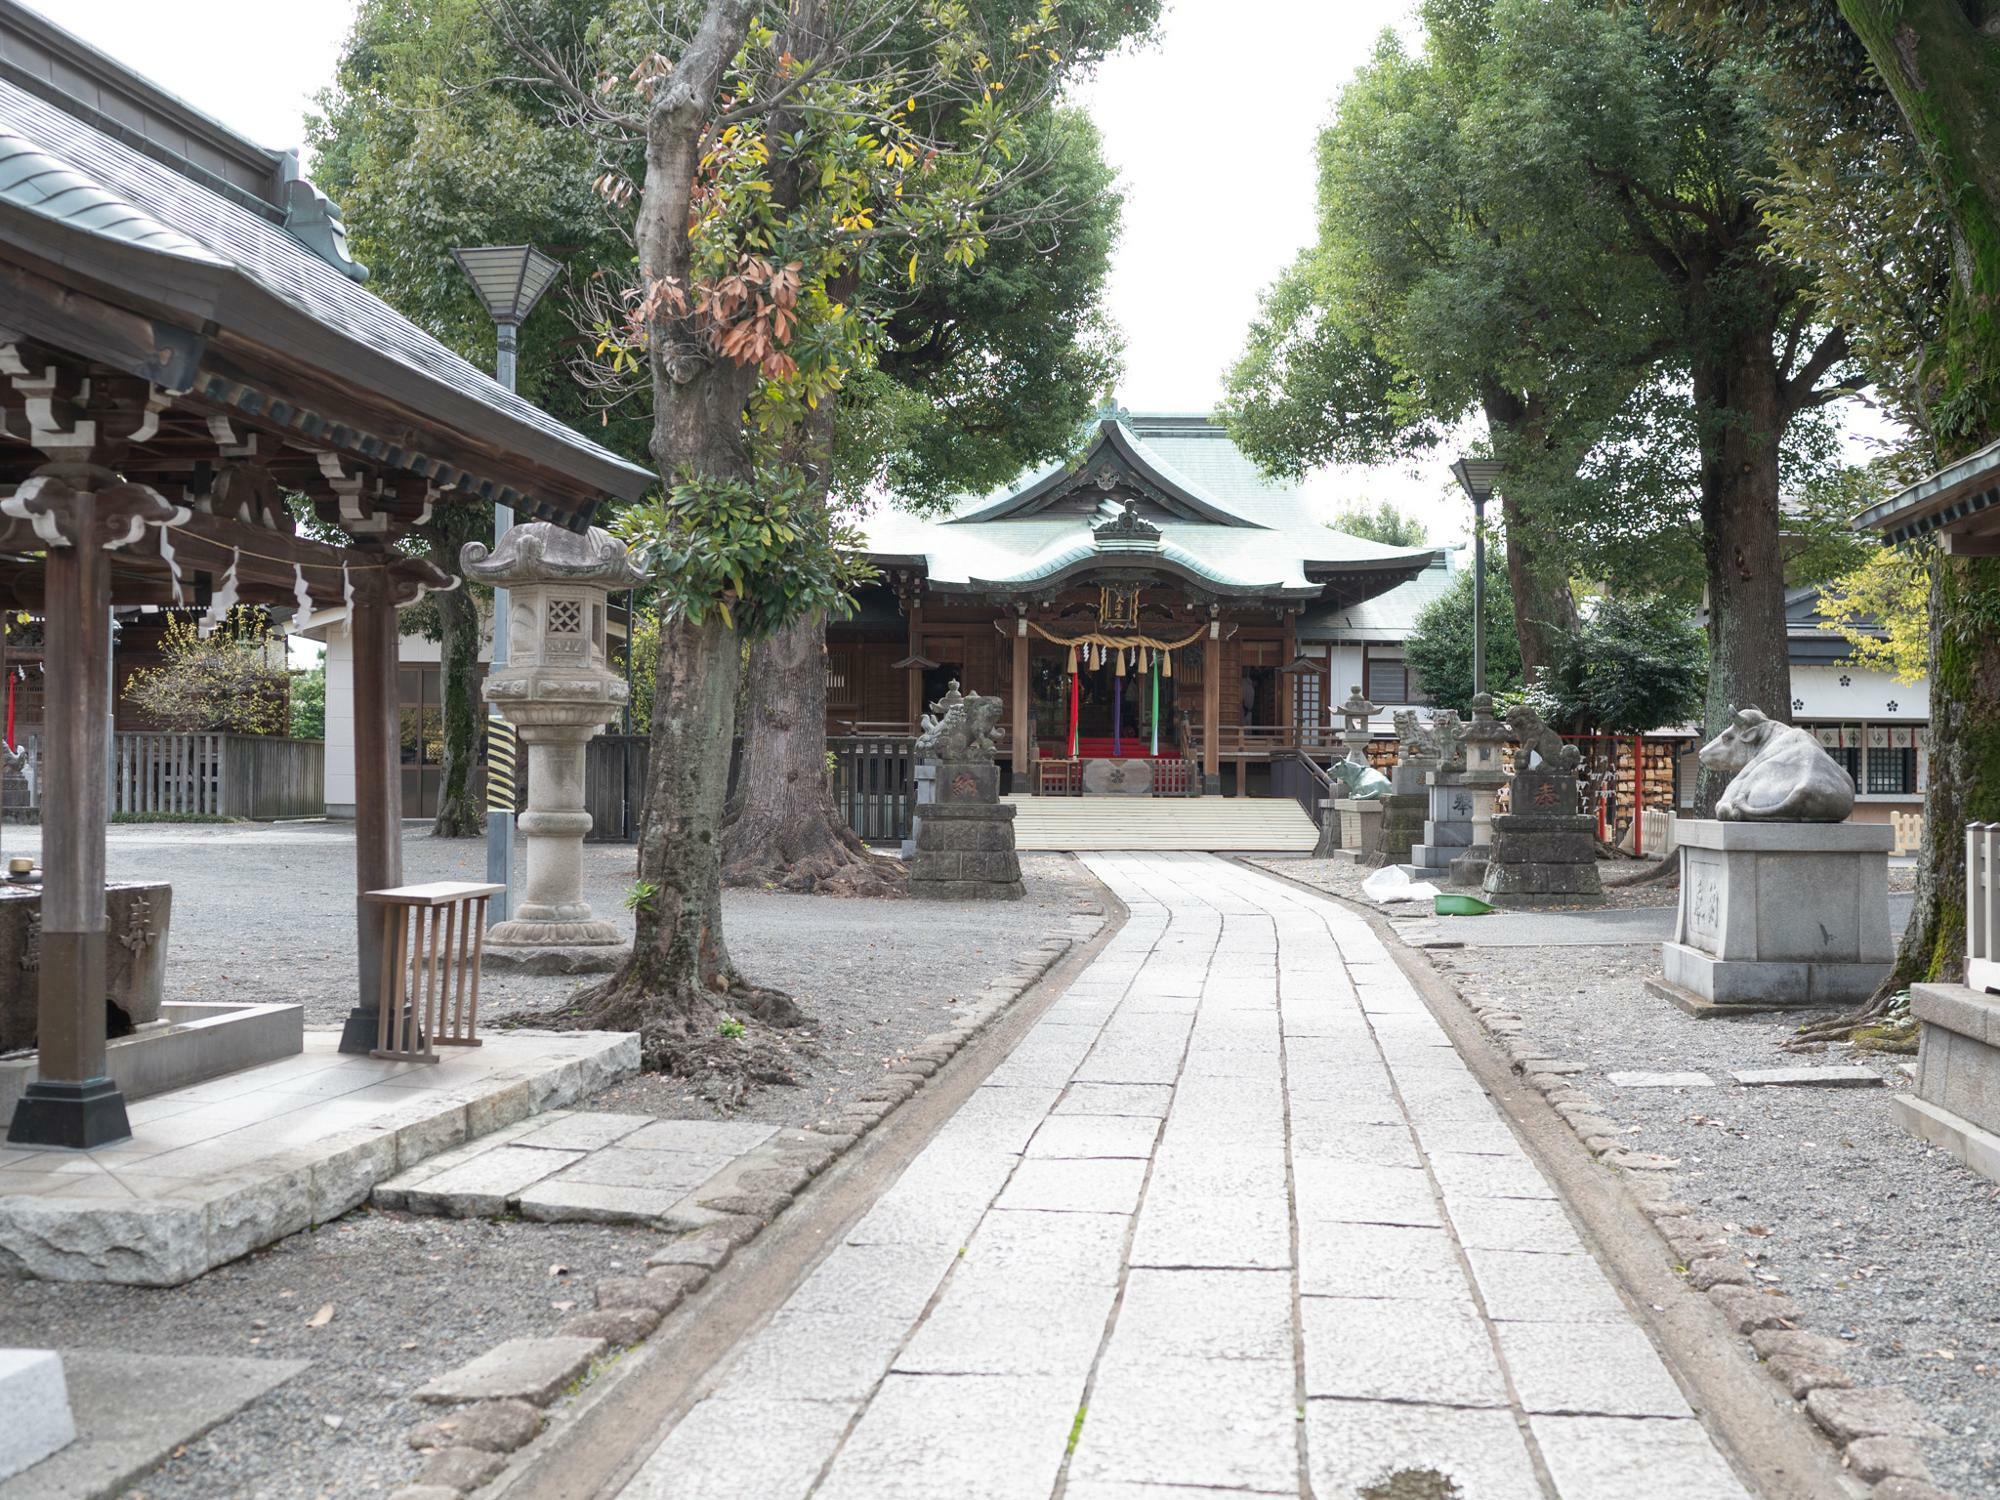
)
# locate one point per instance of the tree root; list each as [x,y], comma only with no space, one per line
[1664,871]
[732,1039]
[825,861]
[1882,1025]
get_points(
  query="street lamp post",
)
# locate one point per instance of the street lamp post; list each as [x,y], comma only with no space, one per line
[510,280]
[1476,476]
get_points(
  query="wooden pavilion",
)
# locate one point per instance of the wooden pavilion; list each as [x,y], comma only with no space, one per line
[185,348]
[1155,599]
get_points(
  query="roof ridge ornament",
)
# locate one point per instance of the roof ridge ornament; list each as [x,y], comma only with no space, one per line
[541,552]
[1128,531]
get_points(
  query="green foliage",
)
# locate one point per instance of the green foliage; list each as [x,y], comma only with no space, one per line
[308,698]
[233,680]
[641,895]
[1439,649]
[758,553]
[1384,524]
[729,1028]
[645,648]
[1882,610]
[1631,666]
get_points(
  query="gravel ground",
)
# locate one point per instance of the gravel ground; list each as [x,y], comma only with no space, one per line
[265,912]
[411,1297]
[1881,1239]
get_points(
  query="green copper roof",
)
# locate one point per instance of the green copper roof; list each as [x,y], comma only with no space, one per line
[1199,510]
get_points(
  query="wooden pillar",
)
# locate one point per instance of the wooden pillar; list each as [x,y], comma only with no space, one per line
[1023,755]
[1211,708]
[1288,687]
[378,797]
[73,1101]
[915,713]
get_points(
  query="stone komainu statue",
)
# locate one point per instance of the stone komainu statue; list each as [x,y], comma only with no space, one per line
[1415,740]
[1539,741]
[1448,732]
[959,727]
[1778,774]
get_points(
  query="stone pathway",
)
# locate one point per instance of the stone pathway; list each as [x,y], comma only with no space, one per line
[1235,1217]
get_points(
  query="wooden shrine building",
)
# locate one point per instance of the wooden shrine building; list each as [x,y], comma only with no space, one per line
[1158,599]
[185,343]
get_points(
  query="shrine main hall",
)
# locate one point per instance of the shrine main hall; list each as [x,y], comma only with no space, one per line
[1158,607]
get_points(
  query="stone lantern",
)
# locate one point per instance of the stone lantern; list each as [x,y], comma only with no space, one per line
[1485,774]
[558,690]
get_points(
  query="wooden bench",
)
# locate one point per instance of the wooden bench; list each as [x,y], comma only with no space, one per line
[433,938]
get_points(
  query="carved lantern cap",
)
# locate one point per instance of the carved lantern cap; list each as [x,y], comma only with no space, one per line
[541,552]
[1356,706]
[1484,728]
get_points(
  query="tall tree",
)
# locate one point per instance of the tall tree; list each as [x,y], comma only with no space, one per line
[1940,59]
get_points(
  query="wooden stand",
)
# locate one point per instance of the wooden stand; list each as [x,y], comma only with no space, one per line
[432,941]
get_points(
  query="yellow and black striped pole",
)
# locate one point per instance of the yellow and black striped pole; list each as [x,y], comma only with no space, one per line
[502,775]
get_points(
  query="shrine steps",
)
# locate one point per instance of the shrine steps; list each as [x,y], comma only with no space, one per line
[1211,824]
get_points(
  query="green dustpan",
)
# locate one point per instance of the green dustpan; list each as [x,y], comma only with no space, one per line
[1453,904]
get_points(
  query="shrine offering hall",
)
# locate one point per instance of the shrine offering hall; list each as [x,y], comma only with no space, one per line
[1159,602]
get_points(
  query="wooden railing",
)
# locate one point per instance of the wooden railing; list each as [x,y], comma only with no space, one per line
[875,784]
[1296,774]
[1264,741]
[206,775]
[1982,906]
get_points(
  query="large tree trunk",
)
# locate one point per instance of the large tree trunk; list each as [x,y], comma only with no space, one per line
[679,977]
[458,815]
[787,832]
[1738,406]
[1544,611]
[1941,59]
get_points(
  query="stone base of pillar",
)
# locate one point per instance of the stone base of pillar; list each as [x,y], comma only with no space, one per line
[547,959]
[77,1115]
[524,933]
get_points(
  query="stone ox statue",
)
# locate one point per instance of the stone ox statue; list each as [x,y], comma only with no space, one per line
[1363,782]
[1778,774]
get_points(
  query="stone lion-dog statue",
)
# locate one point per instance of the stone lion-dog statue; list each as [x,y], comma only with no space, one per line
[1777,774]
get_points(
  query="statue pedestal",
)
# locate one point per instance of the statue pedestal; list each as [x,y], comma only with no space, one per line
[1776,914]
[964,837]
[1544,852]
[1360,830]
[135,955]
[1448,829]
[1956,1103]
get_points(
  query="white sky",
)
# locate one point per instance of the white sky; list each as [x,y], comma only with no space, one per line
[1216,202]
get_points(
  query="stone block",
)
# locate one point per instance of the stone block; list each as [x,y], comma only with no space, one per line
[484,1186]
[1870,1411]
[617,1326]
[1767,982]
[1748,1310]
[1710,1271]
[138,916]
[1661,1080]
[458,1469]
[157,1243]
[534,1370]
[1800,1343]
[1899,1488]
[35,1398]
[707,1251]
[1855,1077]
[494,1426]
[647,1292]
[1800,1376]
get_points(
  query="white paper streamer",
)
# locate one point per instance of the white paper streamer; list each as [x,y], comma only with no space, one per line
[224,598]
[173,563]
[347,592]
[302,616]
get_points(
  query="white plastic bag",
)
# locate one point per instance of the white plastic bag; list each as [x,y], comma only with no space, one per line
[1392,883]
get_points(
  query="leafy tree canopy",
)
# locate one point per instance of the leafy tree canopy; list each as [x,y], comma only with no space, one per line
[1631,666]
[1385,524]
[1439,649]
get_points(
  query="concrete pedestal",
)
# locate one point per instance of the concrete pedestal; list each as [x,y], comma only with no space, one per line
[553,929]
[1447,829]
[1329,828]
[1956,1103]
[965,836]
[35,1398]
[1776,914]
[1360,830]
[1403,816]
[1544,852]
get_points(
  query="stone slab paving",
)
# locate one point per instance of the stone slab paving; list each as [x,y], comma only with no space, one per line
[224,1167]
[1233,1218]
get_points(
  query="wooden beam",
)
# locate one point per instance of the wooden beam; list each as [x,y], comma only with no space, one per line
[1023,750]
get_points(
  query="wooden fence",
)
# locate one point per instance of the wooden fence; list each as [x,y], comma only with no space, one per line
[206,775]
[614,786]
[874,784]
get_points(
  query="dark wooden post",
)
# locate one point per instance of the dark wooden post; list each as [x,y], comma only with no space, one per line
[1287,687]
[915,708]
[1022,760]
[73,1102]
[1211,709]
[378,796]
